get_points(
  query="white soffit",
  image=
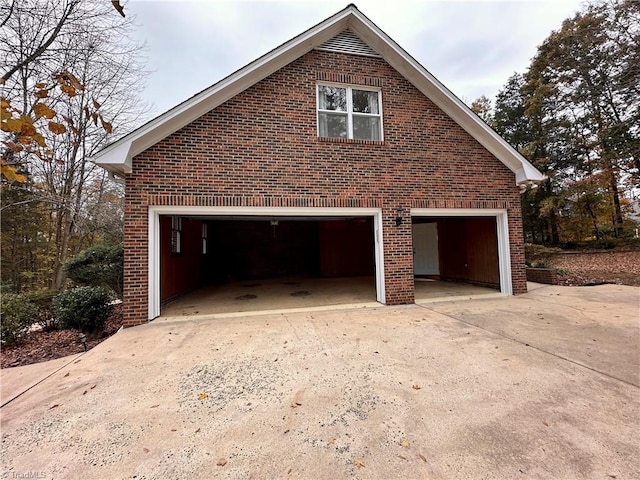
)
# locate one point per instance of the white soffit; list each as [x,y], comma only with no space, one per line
[341,31]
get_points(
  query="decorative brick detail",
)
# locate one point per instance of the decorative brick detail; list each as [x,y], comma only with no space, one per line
[349,79]
[260,148]
[350,140]
[457,203]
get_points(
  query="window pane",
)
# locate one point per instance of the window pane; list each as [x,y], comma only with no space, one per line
[365,102]
[332,125]
[366,128]
[332,98]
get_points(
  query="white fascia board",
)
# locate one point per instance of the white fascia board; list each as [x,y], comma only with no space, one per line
[443,98]
[121,152]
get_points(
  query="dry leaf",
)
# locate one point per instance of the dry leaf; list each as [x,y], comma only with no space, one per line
[69,90]
[332,440]
[106,125]
[39,139]
[358,462]
[155,406]
[54,406]
[402,457]
[41,93]
[57,128]
[416,387]
[72,80]
[40,85]
[118,7]
[202,396]
[14,147]
[67,374]
[221,462]
[405,443]
[96,105]
[41,110]
[422,457]
[145,450]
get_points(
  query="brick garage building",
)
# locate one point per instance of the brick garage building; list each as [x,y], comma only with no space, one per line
[339,138]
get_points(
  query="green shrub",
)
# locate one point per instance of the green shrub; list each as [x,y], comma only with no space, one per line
[85,308]
[101,265]
[43,301]
[17,314]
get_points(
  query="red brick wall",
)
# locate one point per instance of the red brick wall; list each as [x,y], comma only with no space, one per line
[261,149]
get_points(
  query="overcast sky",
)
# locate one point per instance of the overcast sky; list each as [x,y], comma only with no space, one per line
[472,47]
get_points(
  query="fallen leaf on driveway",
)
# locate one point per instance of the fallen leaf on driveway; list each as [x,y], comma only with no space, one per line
[202,396]
[155,406]
[422,457]
[54,406]
[405,443]
[402,457]
[358,462]
[221,462]
[416,387]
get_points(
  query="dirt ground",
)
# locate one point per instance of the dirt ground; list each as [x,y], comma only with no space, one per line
[596,267]
[543,385]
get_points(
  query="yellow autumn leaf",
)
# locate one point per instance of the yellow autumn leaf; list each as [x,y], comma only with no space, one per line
[41,110]
[4,103]
[40,85]
[358,462]
[202,396]
[405,443]
[44,93]
[39,139]
[416,387]
[57,128]
[11,174]
[12,125]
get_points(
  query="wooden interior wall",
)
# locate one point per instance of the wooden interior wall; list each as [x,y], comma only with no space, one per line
[469,249]
[180,273]
[347,248]
[482,250]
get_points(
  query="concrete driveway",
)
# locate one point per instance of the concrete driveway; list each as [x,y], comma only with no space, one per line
[544,385]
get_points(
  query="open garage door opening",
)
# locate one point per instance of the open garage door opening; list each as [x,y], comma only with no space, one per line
[457,256]
[219,264]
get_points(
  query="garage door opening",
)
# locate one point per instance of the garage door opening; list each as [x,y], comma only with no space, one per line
[458,255]
[210,264]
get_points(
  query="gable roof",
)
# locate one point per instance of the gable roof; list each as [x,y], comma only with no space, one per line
[117,157]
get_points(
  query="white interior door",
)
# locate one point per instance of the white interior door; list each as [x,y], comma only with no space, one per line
[425,249]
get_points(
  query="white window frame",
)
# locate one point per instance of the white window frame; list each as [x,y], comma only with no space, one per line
[349,111]
[176,235]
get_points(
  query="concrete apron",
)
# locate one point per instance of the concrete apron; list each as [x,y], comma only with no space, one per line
[543,385]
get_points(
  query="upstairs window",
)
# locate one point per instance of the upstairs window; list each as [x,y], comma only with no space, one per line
[349,112]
